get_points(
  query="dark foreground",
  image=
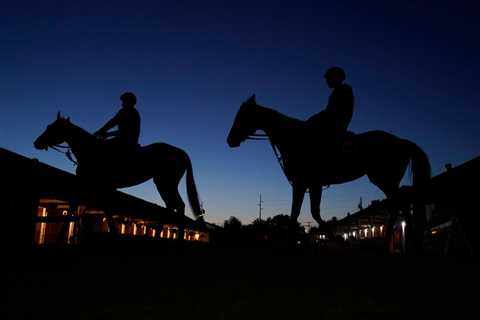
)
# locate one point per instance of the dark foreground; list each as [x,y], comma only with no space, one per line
[241,283]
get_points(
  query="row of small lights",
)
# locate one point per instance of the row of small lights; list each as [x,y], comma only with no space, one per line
[154,232]
[354,233]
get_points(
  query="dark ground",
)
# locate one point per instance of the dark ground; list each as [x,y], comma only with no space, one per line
[241,283]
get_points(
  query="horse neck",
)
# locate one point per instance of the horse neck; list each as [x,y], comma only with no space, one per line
[79,140]
[276,126]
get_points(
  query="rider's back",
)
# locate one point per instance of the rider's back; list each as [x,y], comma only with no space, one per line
[340,107]
[128,126]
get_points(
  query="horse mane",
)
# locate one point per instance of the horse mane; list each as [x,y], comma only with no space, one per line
[285,121]
[80,129]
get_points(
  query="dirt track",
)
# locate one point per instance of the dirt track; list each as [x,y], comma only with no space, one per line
[241,283]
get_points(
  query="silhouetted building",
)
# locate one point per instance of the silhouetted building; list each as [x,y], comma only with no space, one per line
[452,214]
[36,200]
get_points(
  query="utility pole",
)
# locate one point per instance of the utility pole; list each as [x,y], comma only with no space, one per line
[260,207]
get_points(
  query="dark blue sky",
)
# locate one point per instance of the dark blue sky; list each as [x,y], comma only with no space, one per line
[413,66]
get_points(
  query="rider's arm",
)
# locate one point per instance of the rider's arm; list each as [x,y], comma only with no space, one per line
[109,125]
[111,134]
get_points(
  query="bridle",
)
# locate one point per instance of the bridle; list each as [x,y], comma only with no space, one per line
[66,150]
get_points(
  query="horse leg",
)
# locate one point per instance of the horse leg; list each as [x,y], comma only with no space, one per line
[173,201]
[315,200]
[298,193]
[71,212]
[391,218]
[419,224]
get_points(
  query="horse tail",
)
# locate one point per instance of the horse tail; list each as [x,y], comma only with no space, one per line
[420,169]
[192,192]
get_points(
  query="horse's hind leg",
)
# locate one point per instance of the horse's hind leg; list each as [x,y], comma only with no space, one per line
[315,199]
[392,213]
[173,201]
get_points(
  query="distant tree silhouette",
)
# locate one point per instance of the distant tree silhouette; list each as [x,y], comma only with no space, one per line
[232,223]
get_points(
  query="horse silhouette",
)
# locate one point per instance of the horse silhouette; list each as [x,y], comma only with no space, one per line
[381,156]
[164,163]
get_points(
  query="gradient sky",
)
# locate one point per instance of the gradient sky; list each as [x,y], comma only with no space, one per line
[413,66]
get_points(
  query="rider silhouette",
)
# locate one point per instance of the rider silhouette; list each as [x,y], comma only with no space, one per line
[332,122]
[128,122]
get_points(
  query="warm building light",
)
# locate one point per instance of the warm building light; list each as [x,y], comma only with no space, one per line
[43,227]
[71,228]
[144,230]
[373,232]
[122,228]
[381,229]
[366,232]
[43,212]
[434,231]
[354,234]
[64,212]
[161,234]
[168,233]
[345,236]
[134,229]
[197,236]
[153,233]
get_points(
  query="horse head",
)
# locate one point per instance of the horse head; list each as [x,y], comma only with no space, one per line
[55,133]
[244,124]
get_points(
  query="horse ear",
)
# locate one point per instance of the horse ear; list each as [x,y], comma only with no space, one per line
[58,115]
[252,98]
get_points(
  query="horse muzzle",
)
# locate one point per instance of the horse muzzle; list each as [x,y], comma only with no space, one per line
[233,144]
[39,145]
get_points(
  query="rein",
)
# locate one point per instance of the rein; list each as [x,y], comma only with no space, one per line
[263,136]
[60,148]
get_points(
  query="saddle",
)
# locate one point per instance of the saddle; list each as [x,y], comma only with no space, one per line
[341,146]
[348,145]
[115,154]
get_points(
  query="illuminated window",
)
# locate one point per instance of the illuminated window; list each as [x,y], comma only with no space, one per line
[153,233]
[197,236]
[134,229]
[42,212]
[71,229]
[122,229]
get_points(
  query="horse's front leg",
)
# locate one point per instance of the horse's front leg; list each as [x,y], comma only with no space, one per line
[298,193]
[315,199]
